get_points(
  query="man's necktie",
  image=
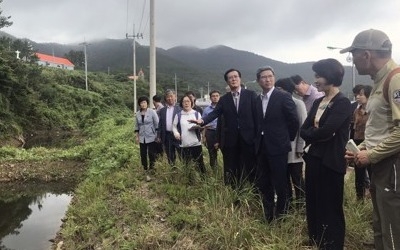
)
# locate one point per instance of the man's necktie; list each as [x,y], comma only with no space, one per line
[264,103]
[236,99]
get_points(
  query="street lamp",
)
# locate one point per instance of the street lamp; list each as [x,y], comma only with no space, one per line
[349,59]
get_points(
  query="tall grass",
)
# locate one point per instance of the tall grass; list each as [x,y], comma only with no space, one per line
[180,208]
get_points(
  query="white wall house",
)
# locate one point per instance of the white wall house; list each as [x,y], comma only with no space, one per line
[53,61]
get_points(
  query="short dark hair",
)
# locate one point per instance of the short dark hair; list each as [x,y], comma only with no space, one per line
[286,84]
[296,79]
[357,88]
[367,90]
[181,101]
[143,98]
[213,92]
[157,98]
[190,93]
[229,71]
[330,69]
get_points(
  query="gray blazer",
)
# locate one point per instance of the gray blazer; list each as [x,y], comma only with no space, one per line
[147,128]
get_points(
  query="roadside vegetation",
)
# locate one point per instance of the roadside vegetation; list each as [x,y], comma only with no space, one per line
[114,207]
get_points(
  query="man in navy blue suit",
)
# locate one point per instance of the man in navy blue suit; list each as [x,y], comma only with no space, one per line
[277,127]
[238,131]
[165,135]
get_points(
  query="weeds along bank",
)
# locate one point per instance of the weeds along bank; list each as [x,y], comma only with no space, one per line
[115,208]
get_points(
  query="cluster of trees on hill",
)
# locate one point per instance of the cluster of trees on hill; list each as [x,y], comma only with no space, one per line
[34,98]
[15,77]
[77,57]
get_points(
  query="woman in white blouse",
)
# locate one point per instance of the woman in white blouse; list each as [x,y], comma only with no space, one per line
[188,133]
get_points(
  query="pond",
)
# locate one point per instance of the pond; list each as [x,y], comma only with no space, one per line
[31,216]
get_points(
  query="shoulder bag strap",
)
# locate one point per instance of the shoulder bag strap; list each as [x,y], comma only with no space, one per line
[385,88]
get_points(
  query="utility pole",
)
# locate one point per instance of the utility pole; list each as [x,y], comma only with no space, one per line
[152,90]
[134,36]
[85,44]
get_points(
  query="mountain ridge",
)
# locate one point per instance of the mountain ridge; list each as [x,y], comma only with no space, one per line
[194,67]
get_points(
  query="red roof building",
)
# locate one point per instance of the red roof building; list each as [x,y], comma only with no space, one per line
[53,61]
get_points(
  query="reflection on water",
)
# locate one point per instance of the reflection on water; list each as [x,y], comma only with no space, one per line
[29,223]
[31,213]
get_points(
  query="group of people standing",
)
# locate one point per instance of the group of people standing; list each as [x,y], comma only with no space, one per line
[166,129]
[267,137]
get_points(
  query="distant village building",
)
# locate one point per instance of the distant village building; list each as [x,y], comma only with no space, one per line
[140,76]
[53,61]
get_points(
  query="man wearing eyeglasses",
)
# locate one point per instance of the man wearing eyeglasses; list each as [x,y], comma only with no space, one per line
[277,127]
[238,108]
[165,135]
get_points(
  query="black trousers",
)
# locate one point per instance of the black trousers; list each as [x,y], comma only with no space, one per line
[271,179]
[361,179]
[193,154]
[324,205]
[148,150]
[239,162]
[170,147]
[211,139]
[159,149]
[295,180]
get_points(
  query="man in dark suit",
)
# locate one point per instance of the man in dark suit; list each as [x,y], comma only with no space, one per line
[277,127]
[238,129]
[165,135]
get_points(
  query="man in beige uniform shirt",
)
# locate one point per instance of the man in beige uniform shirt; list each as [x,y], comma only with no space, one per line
[371,50]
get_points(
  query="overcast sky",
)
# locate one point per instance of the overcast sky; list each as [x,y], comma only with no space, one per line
[284,30]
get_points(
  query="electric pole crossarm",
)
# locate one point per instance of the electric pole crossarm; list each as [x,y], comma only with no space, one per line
[134,36]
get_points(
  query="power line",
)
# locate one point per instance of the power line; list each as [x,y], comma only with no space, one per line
[127,15]
[147,23]
[141,18]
